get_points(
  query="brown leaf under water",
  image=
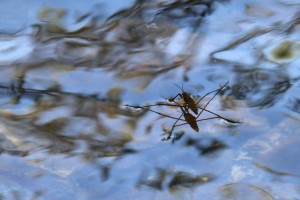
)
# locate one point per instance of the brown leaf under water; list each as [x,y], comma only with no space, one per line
[187,180]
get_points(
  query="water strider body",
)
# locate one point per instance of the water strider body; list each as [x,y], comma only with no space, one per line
[188,100]
[190,119]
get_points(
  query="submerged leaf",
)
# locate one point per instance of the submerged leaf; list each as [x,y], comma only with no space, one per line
[284,50]
[187,180]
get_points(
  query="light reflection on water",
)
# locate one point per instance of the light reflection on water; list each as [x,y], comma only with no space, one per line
[68,72]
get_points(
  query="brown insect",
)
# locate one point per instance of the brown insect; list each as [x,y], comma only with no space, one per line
[188,100]
[189,104]
[189,118]
[191,122]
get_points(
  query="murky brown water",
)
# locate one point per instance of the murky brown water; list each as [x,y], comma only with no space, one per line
[68,70]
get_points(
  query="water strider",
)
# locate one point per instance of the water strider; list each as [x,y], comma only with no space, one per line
[189,118]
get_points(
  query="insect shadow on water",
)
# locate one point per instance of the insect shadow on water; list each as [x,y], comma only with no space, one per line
[188,104]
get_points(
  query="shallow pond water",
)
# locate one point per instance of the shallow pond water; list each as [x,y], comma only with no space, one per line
[75,79]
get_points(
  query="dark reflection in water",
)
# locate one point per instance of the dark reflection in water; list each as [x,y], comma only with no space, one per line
[80,106]
[174,180]
[258,87]
[204,148]
[65,132]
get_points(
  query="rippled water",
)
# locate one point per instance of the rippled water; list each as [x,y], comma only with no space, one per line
[68,70]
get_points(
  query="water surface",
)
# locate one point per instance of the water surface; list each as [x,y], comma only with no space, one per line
[68,70]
